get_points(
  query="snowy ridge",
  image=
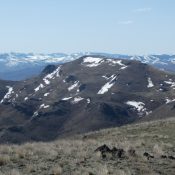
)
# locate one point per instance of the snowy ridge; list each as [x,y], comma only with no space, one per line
[154,59]
[25,63]
[14,59]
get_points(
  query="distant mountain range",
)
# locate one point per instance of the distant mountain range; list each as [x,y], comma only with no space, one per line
[19,66]
[83,95]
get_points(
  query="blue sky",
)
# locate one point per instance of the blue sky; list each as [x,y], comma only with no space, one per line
[114,26]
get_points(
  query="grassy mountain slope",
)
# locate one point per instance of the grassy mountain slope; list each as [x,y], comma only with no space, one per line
[76,156]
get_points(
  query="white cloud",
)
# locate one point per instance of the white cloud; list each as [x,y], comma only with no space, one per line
[143,10]
[127,22]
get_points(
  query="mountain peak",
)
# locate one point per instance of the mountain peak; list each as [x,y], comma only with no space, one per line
[87,94]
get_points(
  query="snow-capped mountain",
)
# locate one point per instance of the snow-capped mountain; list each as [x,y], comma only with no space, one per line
[164,62]
[83,95]
[19,66]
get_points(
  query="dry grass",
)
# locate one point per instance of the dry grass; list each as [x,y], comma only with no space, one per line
[57,170]
[76,156]
[11,172]
[4,159]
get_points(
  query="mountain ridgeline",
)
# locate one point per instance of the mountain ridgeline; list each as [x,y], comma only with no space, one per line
[88,94]
[20,66]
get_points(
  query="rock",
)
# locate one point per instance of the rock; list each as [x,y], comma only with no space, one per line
[163,156]
[103,149]
[111,153]
[148,155]
[132,152]
[171,157]
[117,153]
[90,173]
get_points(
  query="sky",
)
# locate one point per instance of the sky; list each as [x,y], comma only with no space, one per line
[69,26]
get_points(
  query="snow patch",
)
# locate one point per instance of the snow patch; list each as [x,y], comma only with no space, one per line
[46,94]
[55,73]
[119,62]
[8,94]
[92,61]
[170,82]
[108,78]
[73,86]
[77,99]
[108,85]
[26,98]
[105,77]
[66,98]
[39,87]
[43,106]
[139,106]
[150,83]
[88,100]
[46,81]
[35,114]
[169,101]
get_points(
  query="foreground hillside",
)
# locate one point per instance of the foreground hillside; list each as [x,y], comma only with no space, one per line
[148,148]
